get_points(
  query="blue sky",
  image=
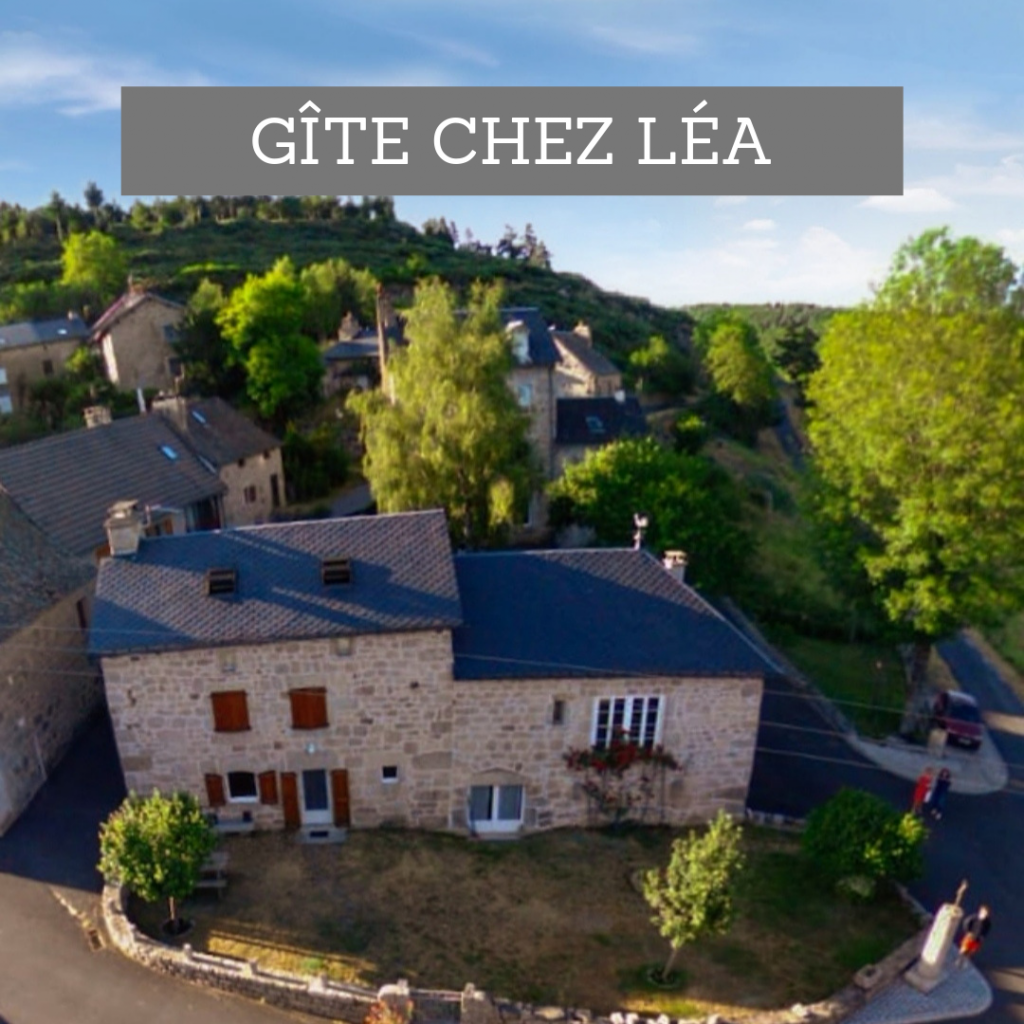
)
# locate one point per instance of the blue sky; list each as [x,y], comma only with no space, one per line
[62,65]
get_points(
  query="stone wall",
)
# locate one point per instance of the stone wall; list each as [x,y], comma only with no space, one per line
[25,364]
[137,351]
[48,691]
[392,703]
[253,472]
[541,410]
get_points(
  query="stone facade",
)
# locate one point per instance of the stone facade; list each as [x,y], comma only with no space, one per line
[392,703]
[48,691]
[255,488]
[533,386]
[24,365]
[137,346]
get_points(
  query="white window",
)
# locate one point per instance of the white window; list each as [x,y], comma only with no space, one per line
[524,392]
[242,787]
[495,808]
[639,718]
[5,405]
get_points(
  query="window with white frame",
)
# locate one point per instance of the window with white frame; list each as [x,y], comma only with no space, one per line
[242,787]
[639,718]
[495,808]
[524,392]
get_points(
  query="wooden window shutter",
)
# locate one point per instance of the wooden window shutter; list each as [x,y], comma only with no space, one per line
[215,791]
[339,796]
[268,787]
[309,708]
[290,799]
[230,711]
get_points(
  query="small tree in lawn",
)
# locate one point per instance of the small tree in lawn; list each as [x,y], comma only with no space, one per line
[692,897]
[156,846]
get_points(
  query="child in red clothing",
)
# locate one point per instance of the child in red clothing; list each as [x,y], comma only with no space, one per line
[921,789]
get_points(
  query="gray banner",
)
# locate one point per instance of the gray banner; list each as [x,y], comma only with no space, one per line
[511,141]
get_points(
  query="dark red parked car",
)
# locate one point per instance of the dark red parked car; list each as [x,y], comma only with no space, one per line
[959,715]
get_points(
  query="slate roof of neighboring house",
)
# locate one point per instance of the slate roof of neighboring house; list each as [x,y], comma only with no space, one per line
[363,346]
[66,483]
[124,305]
[542,614]
[585,421]
[34,572]
[402,579]
[39,332]
[542,348]
[580,349]
[215,431]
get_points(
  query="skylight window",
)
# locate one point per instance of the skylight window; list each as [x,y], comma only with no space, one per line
[62,330]
[198,417]
[169,452]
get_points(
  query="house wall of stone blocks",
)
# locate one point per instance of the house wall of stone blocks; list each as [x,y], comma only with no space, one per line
[250,492]
[48,691]
[136,349]
[392,702]
[24,365]
[541,410]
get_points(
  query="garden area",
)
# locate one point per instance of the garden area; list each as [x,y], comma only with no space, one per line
[556,918]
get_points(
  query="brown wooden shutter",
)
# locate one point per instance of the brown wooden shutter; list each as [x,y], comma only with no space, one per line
[268,787]
[309,708]
[230,711]
[215,791]
[290,799]
[339,795]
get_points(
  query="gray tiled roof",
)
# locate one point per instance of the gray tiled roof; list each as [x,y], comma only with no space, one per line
[216,431]
[588,613]
[34,572]
[123,305]
[66,483]
[595,362]
[364,346]
[596,421]
[542,348]
[38,332]
[402,579]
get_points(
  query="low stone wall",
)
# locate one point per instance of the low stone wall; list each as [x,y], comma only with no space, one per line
[324,998]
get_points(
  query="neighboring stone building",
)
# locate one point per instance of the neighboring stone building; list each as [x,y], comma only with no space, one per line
[582,371]
[32,351]
[49,688]
[246,459]
[136,337]
[588,423]
[353,672]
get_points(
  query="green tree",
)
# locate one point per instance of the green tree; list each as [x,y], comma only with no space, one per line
[262,320]
[446,430]
[334,288]
[660,367]
[156,846]
[96,264]
[917,425]
[207,356]
[693,896]
[691,503]
[738,368]
[93,196]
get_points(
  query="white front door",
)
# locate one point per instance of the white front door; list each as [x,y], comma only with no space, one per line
[316,797]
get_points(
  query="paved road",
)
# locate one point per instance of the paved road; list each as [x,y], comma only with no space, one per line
[800,762]
[47,971]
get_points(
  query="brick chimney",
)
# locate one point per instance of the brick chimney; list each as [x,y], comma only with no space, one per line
[125,526]
[96,415]
[675,563]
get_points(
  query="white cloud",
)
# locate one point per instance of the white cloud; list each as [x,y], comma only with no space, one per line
[38,73]
[760,224]
[1005,179]
[913,200]
[944,134]
[730,200]
[641,40]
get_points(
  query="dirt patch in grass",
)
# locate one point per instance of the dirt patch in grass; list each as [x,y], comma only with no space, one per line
[552,918]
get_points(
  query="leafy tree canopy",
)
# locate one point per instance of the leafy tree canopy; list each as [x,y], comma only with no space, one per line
[691,504]
[96,264]
[447,431]
[333,289]
[737,366]
[917,423]
[660,367]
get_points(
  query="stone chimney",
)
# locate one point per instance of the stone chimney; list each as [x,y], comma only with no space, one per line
[174,408]
[125,526]
[582,330]
[675,563]
[96,415]
[349,327]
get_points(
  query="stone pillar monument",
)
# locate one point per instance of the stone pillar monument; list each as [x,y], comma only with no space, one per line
[932,965]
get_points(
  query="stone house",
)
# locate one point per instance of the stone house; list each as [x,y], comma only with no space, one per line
[583,371]
[50,688]
[245,458]
[353,672]
[584,424]
[136,337]
[34,350]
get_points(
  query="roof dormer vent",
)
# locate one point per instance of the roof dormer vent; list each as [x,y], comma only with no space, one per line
[221,582]
[334,571]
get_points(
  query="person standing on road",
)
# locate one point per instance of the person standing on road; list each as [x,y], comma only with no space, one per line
[936,800]
[975,927]
[921,789]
